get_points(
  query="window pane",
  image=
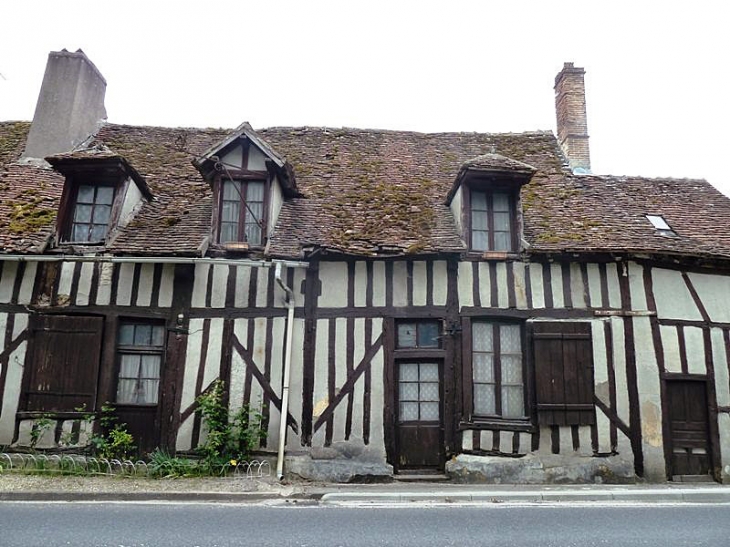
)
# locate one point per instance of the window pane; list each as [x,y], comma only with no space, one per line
[80,232]
[148,390]
[253,234]
[229,232]
[98,232]
[479,241]
[142,335]
[408,372]
[484,401]
[126,335]
[129,366]
[510,339]
[429,391]
[478,201]
[408,391]
[104,195]
[158,335]
[479,220]
[500,201]
[502,241]
[102,214]
[406,335]
[501,222]
[230,211]
[482,336]
[511,369]
[150,367]
[82,213]
[429,372]
[408,412]
[86,194]
[254,212]
[126,391]
[429,412]
[231,190]
[483,367]
[512,402]
[255,191]
[428,335]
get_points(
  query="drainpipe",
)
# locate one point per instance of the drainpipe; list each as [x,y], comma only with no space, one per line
[287,371]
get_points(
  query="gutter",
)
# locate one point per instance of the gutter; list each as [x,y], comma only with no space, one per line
[153,260]
[287,372]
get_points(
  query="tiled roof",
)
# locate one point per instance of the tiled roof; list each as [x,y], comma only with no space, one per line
[371,192]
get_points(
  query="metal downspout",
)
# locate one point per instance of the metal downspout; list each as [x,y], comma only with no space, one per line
[287,371]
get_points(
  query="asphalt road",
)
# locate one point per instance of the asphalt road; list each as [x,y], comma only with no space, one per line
[182,525]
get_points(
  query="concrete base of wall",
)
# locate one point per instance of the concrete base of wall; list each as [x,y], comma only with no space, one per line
[540,469]
[341,462]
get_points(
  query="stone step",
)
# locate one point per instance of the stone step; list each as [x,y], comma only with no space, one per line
[692,478]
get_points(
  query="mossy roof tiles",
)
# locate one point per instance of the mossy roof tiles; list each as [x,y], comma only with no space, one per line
[371,192]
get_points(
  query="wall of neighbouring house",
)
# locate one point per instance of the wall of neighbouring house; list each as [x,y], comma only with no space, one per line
[648,324]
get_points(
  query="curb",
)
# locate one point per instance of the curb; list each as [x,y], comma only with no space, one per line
[181,497]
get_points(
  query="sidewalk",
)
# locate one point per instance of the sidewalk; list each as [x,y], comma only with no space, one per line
[241,490]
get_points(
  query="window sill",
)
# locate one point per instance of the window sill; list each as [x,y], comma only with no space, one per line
[525,425]
[492,256]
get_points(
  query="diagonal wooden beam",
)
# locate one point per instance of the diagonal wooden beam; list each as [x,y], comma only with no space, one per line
[349,384]
[265,385]
[612,416]
[5,359]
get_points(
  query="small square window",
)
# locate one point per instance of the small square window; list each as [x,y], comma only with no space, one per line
[140,347]
[661,225]
[419,334]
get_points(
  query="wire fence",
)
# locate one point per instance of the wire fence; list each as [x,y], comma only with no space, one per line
[77,464]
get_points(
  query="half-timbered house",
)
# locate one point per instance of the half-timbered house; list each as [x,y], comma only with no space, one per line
[471,303]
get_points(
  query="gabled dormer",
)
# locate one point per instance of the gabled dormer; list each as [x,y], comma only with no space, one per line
[250,182]
[485,203]
[100,194]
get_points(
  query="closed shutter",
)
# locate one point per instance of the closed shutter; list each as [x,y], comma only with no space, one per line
[65,352]
[563,373]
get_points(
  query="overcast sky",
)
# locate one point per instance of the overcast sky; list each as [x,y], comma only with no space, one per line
[657,73]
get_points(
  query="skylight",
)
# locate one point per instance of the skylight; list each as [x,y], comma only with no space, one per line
[661,225]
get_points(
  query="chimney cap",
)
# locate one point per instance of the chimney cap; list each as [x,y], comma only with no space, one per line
[78,54]
[569,68]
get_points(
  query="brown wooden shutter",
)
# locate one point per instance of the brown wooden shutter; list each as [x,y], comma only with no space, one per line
[64,365]
[563,373]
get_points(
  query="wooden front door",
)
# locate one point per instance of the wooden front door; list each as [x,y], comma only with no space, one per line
[419,431]
[689,427]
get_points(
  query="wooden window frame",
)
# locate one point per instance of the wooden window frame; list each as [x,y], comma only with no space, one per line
[418,323]
[244,177]
[473,420]
[132,349]
[67,207]
[490,186]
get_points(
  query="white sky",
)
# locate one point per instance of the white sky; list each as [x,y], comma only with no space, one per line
[657,73]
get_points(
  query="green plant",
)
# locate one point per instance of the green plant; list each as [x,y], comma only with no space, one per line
[229,437]
[113,441]
[39,428]
[161,464]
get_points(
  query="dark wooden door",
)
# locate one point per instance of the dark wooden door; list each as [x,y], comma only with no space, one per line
[689,427]
[419,441]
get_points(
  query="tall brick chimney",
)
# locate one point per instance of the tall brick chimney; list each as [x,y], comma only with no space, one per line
[570,108]
[70,105]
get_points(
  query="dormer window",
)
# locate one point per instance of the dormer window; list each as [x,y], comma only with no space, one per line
[485,201]
[100,194]
[91,213]
[250,182]
[242,211]
[492,221]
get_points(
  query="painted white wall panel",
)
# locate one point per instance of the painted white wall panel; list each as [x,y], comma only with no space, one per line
[200,285]
[278,333]
[556,284]
[295,383]
[614,290]
[670,348]
[256,159]
[321,364]
[66,279]
[603,426]
[520,291]
[505,441]
[400,284]
[192,363]
[262,286]
[584,440]
[455,206]
[243,280]
[26,286]
[379,283]
[502,291]
[84,288]
[536,286]
[594,286]
[213,358]
[124,287]
[466,440]
[723,422]
[466,283]
[361,283]
[673,299]
[220,286]
[525,443]
[419,283]
[695,344]
[167,284]
[636,286]
[333,276]
[566,440]
[103,294]
[377,398]
[485,285]
[619,364]
[234,158]
[237,380]
[440,285]
[7,280]
[146,277]
[722,375]
[714,292]
[577,289]
[359,391]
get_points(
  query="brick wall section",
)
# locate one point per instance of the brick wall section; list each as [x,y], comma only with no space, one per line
[570,108]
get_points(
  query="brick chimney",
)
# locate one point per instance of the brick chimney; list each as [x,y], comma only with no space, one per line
[570,108]
[70,105]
